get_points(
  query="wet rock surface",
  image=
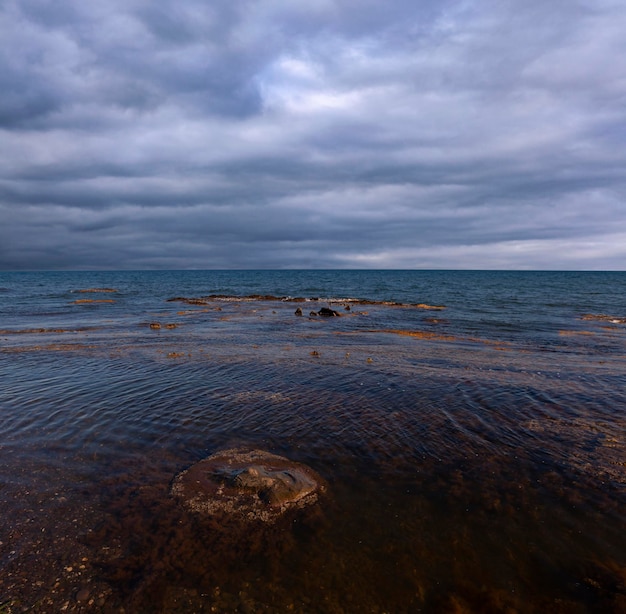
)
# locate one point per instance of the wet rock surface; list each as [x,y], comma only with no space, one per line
[247,484]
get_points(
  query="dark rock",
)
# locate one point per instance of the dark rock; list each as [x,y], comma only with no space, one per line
[82,595]
[313,314]
[298,311]
[325,312]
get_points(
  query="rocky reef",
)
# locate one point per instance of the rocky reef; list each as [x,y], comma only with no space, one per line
[345,302]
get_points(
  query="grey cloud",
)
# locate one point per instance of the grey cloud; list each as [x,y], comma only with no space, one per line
[331,133]
[23,102]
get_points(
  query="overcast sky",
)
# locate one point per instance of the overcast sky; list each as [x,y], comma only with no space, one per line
[321,134]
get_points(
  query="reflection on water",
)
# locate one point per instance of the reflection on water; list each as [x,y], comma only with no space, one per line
[463,475]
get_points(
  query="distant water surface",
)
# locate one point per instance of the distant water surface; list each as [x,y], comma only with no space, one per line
[470,426]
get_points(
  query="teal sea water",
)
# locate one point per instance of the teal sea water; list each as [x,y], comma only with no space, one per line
[470,427]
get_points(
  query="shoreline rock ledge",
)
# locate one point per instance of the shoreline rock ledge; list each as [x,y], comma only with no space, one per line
[248,485]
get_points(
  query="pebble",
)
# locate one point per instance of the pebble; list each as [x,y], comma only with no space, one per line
[82,595]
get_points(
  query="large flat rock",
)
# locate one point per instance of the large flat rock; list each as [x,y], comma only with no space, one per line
[247,484]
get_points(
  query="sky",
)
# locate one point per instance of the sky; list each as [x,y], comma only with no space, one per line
[237,134]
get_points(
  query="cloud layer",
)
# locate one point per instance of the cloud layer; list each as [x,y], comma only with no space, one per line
[332,133]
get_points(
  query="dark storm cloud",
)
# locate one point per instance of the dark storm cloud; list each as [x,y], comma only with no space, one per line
[328,134]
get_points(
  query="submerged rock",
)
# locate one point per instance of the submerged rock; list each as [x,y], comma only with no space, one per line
[249,485]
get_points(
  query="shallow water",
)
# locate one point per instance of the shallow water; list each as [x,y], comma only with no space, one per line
[474,456]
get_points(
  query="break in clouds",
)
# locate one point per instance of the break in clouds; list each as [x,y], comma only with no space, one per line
[331,133]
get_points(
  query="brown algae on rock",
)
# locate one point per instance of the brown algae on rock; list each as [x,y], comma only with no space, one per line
[247,484]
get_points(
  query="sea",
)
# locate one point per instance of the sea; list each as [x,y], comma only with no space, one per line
[469,428]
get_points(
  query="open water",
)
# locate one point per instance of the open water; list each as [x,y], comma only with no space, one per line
[474,455]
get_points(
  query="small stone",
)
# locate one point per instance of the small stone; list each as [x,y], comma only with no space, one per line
[82,595]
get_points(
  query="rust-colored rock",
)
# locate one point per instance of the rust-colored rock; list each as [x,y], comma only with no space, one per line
[83,301]
[248,485]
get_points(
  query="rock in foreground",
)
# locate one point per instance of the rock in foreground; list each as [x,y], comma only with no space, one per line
[250,485]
